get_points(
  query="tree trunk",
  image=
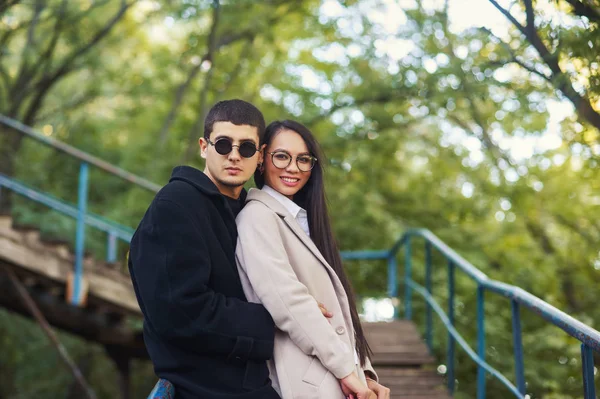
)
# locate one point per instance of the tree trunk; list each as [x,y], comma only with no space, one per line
[539,234]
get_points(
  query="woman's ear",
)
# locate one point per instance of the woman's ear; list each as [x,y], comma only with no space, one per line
[261,154]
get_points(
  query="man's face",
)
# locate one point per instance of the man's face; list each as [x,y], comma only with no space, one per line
[230,171]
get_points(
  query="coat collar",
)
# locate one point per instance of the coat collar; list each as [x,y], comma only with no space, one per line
[290,221]
[290,205]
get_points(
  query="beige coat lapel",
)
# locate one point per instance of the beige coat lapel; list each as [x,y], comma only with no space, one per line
[296,229]
[279,209]
[258,195]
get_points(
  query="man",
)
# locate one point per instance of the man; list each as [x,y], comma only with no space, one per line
[201,333]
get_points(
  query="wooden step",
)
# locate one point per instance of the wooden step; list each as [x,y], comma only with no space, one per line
[58,246]
[421,395]
[412,383]
[21,250]
[402,359]
[397,343]
[5,221]
[400,377]
[403,362]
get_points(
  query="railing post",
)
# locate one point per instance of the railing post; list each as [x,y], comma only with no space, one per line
[111,255]
[393,282]
[587,364]
[407,278]
[428,314]
[518,347]
[480,342]
[450,349]
[80,233]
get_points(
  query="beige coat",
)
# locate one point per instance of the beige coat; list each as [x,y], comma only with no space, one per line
[281,268]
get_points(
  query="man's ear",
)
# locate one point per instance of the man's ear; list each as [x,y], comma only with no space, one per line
[203,146]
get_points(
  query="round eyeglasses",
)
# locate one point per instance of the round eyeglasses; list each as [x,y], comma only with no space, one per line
[224,146]
[282,160]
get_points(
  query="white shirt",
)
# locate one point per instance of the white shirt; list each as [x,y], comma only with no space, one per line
[297,212]
[301,217]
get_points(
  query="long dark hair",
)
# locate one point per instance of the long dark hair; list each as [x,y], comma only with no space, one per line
[312,198]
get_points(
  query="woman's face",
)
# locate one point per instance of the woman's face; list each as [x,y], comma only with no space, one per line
[287,180]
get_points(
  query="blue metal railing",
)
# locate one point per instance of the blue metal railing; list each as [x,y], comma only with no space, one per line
[119,232]
[114,231]
[589,338]
[80,212]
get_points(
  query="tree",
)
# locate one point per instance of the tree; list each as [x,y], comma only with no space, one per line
[559,48]
[421,125]
[44,44]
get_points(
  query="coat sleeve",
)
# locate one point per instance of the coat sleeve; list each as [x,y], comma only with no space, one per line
[170,260]
[369,371]
[262,255]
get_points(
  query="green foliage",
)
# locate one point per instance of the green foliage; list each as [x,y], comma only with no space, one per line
[420,123]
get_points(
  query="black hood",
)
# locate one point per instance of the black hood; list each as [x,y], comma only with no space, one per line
[200,180]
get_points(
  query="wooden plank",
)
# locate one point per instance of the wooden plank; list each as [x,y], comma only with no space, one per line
[106,284]
[394,372]
[403,391]
[421,395]
[387,326]
[403,347]
[90,325]
[5,222]
[394,359]
[415,382]
[412,383]
[8,232]
[400,355]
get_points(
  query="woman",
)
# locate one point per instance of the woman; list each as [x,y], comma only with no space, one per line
[288,261]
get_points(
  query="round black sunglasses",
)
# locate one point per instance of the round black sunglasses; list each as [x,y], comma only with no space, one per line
[224,146]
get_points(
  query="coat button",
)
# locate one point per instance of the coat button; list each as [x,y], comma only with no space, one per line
[340,330]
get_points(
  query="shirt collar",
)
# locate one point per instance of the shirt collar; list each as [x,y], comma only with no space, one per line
[290,205]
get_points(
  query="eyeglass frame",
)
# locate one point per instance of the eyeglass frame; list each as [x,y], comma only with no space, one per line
[213,143]
[312,157]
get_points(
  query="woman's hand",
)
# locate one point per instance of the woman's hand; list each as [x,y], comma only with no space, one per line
[354,388]
[379,390]
[324,310]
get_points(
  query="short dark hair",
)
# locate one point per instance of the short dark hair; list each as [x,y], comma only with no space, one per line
[238,112]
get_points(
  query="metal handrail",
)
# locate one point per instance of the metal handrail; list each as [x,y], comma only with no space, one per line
[121,232]
[76,153]
[589,337]
[81,214]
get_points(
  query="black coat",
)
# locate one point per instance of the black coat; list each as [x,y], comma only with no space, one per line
[199,329]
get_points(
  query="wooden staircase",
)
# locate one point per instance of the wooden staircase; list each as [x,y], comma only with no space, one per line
[401,358]
[402,361]
[43,268]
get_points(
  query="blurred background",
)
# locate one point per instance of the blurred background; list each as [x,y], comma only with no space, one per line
[476,119]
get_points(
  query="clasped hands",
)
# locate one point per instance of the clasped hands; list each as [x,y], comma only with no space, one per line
[352,386]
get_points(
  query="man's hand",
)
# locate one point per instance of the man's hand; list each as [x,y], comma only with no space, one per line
[324,310]
[354,388]
[379,390]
